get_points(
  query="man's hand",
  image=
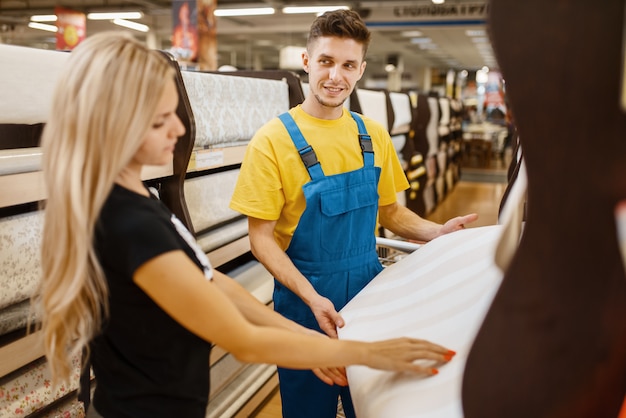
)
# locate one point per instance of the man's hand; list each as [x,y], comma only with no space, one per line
[457,223]
[327,317]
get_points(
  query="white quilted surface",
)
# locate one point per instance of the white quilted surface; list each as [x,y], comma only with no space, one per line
[208,197]
[432,133]
[374,105]
[27,80]
[401,104]
[228,109]
[20,261]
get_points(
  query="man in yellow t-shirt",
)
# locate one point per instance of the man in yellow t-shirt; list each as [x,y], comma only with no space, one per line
[312,184]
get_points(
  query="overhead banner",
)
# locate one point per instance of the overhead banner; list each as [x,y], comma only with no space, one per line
[185,32]
[70,28]
[455,13]
[207,35]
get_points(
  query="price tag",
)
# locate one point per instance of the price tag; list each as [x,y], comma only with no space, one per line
[209,158]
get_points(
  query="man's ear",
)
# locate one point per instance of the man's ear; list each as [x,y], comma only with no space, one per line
[363,65]
[305,61]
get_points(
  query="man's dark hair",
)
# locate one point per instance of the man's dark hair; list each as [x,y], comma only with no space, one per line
[341,24]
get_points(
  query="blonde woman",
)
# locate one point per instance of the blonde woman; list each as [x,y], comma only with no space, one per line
[123,277]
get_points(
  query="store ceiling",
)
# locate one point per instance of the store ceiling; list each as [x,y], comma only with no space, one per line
[256,40]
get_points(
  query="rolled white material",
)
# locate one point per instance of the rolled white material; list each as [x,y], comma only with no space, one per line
[228,110]
[402,112]
[20,160]
[20,259]
[207,199]
[374,105]
[27,79]
[432,133]
[440,293]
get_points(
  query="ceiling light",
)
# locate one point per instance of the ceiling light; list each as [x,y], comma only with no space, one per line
[475,32]
[131,25]
[43,18]
[114,15]
[252,11]
[438,1]
[421,41]
[483,47]
[312,9]
[412,33]
[42,26]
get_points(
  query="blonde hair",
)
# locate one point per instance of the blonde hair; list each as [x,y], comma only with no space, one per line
[102,108]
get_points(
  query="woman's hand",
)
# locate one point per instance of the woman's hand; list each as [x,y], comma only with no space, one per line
[407,354]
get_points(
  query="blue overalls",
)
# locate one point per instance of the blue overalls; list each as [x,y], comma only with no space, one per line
[334,247]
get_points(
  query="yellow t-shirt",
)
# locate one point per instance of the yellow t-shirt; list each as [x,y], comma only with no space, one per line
[272,173]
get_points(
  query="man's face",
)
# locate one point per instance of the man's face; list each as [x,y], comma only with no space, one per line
[334,66]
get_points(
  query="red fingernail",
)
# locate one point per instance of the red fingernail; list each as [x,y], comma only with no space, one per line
[452,353]
[434,371]
[448,357]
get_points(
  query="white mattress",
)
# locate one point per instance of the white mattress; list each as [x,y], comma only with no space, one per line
[441,293]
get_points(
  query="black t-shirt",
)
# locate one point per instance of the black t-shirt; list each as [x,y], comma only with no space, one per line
[145,363]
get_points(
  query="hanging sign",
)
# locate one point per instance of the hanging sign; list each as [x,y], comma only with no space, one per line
[71,28]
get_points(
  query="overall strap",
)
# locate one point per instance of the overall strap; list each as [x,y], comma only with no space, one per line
[365,140]
[306,152]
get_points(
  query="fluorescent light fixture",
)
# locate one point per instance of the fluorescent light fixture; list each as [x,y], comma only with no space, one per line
[412,34]
[312,9]
[438,1]
[43,18]
[252,11]
[42,26]
[421,41]
[483,47]
[114,15]
[131,25]
[475,32]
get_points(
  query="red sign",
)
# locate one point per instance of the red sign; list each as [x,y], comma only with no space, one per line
[71,28]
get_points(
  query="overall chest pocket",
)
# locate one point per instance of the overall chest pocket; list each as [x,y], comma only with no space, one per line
[348,219]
